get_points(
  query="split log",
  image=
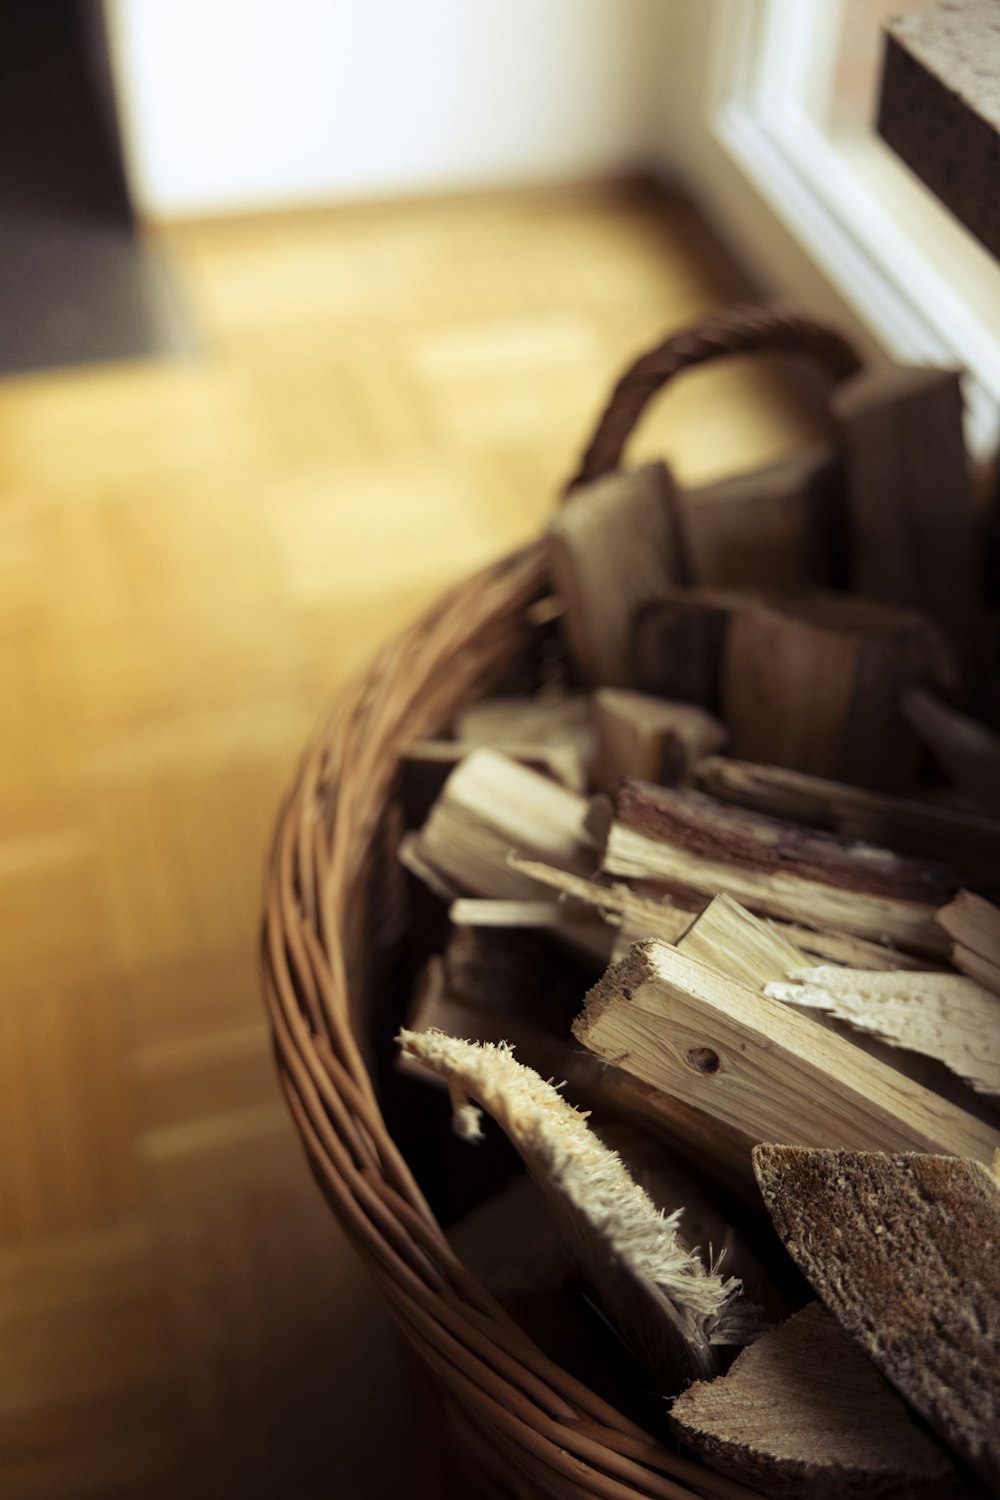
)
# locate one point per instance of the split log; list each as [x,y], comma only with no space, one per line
[934,834]
[913,529]
[639,735]
[612,547]
[974,927]
[698,847]
[774,528]
[803,1414]
[902,1249]
[815,684]
[947,1017]
[760,1067]
[730,939]
[667,1307]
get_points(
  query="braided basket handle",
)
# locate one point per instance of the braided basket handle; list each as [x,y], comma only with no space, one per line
[741,330]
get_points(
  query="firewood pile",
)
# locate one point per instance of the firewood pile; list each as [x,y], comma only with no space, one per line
[723,959]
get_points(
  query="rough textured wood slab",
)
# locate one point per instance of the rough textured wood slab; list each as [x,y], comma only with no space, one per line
[943,1016]
[773,528]
[939,107]
[612,547]
[760,1067]
[923,830]
[912,523]
[903,1251]
[639,735]
[804,1415]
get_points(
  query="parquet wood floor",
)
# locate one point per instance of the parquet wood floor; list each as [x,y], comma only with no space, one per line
[193,556]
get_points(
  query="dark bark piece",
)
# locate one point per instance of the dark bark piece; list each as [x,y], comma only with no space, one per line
[939,107]
[933,834]
[903,1251]
[803,1415]
[425,766]
[720,831]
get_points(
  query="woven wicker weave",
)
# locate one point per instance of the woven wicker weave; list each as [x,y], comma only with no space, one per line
[330,916]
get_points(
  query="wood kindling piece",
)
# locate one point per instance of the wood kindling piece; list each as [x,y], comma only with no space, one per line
[639,735]
[612,547]
[735,942]
[425,766]
[558,728]
[843,948]
[804,1414]
[762,954]
[666,1305]
[624,908]
[902,1249]
[815,683]
[912,523]
[697,847]
[759,1066]
[780,527]
[974,928]
[489,806]
[944,1016]
[923,830]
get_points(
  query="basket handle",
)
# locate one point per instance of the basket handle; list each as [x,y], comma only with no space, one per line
[741,330]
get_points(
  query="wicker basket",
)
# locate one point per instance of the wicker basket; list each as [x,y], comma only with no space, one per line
[335,908]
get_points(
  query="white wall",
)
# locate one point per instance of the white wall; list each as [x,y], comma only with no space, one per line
[233,104]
